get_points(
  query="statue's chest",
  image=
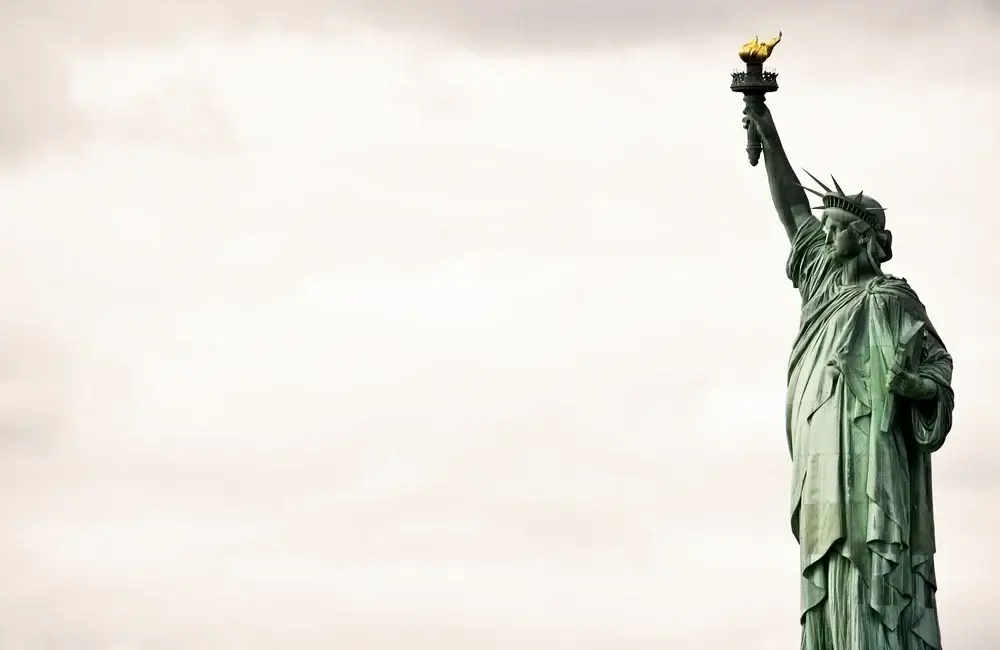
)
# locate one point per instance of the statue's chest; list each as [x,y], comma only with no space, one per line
[843,332]
[839,354]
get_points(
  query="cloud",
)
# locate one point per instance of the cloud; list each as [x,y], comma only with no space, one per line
[43,41]
[445,352]
[576,24]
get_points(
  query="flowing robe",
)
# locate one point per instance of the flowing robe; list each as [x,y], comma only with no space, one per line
[861,490]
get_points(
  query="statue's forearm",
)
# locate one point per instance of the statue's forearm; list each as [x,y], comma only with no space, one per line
[934,374]
[926,389]
[789,198]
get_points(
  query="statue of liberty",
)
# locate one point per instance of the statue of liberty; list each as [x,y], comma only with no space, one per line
[869,400]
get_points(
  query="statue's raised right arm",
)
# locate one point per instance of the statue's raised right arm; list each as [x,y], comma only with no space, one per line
[789,198]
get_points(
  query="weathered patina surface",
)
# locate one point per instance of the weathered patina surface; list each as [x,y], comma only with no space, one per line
[869,400]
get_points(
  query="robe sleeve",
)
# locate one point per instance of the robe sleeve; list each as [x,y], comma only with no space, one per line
[931,419]
[807,261]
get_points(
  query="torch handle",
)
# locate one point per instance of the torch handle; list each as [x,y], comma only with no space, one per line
[754,147]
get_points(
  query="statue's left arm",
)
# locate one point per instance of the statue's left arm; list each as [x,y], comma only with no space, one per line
[930,414]
[925,390]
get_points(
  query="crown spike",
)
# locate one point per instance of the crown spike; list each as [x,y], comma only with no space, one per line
[836,184]
[859,196]
[818,181]
[809,189]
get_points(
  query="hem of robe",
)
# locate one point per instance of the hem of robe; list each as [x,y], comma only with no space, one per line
[922,623]
[920,633]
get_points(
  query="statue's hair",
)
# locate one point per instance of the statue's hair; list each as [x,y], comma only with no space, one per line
[880,246]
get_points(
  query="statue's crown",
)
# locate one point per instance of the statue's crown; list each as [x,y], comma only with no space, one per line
[863,207]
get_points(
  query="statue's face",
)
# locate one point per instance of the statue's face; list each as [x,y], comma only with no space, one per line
[846,233]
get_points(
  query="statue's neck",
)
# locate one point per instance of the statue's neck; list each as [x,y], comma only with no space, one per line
[859,271]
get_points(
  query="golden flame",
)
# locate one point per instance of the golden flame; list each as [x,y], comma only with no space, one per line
[757,52]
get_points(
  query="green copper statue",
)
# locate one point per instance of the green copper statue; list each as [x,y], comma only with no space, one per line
[869,400]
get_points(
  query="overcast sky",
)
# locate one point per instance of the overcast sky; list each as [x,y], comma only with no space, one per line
[381,324]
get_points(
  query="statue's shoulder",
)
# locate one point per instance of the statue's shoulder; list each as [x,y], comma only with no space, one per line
[895,282]
[896,287]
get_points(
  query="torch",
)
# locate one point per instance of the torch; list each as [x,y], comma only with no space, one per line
[754,83]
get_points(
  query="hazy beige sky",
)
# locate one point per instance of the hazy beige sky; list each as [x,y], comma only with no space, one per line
[437,324]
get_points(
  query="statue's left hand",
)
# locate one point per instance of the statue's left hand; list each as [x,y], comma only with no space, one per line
[912,386]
